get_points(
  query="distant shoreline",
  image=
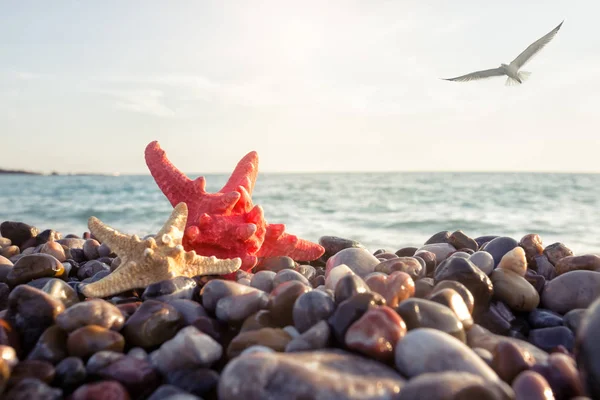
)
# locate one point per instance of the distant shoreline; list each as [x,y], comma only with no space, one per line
[23,172]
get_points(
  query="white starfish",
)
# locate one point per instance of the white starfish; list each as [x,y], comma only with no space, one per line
[515,77]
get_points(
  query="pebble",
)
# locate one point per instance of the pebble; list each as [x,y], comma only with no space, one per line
[336,274]
[308,271]
[508,360]
[282,299]
[430,261]
[139,377]
[408,265]
[514,290]
[180,287]
[275,264]
[532,244]
[537,281]
[453,385]
[540,318]
[310,308]
[376,333]
[91,312]
[217,289]
[190,348]
[395,288]
[18,232]
[31,312]
[10,252]
[350,311]
[170,392]
[55,250]
[189,310]
[556,251]
[235,309]
[530,385]
[357,259]
[90,249]
[89,339]
[334,244]
[263,280]
[514,261]
[421,313]
[426,350]
[454,301]
[441,250]
[575,289]
[51,346]
[440,237]
[459,240]
[474,279]
[544,267]
[590,262]
[562,375]
[274,338]
[300,375]
[348,286]
[197,381]
[460,289]
[91,268]
[70,373]
[573,319]
[316,337]
[31,388]
[104,390]
[289,275]
[478,336]
[34,266]
[550,338]
[499,246]
[60,290]
[152,324]
[406,251]
[423,287]
[42,370]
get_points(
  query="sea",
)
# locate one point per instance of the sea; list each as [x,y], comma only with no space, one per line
[387,210]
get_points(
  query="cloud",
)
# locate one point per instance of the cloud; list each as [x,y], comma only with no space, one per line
[144,101]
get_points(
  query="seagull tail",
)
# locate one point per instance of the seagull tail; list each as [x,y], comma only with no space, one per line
[524,75]
[511,82]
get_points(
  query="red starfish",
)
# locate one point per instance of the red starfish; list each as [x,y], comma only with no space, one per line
[226,224]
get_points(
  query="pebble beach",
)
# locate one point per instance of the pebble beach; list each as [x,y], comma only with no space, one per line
[457,317]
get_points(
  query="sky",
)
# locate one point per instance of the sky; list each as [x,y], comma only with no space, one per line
[312,86]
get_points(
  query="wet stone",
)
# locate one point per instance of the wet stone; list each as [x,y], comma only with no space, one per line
[573,319]
[18,232]
[31,312]
[180,287]
[10,252]
[563,376]
[70,373]
[537,281]
[51,346]
[282,299]
[103,390]
[509,360]
[575,289]
[334,244]
[408,265]
[315,338]
[556,252]
[104,251]
[152,324]
[190,348]
[217,289]
[426,350]
[197,381]
[292,375]
[308,271]
[358,260]
[454,301]
[91,312]
[474,279]
[460,289]
[90,339]
[406,252]
[276,339]
[588,349]
[289,275]
[31,388]
[514,290]
[90,269]
[590,262]
[171,392]
[421,313]
[395,288]
[544,267]
[310,308]
[275,264]
[348,286]
[4,293]
[423,287]
[55,250]
[440,237]
[189,309]
[350,311]
[90,249]
[540,318]
[441,250]
[138,376]
[459,240]
[453,385]
[34,266]
[60,290]
[235,309]
[549,338]
[532,244]
[263,280]
[483,260]
[376,333]
[430,261]
[499,246]
[530,385]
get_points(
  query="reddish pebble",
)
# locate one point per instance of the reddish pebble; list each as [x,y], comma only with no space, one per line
[105,390]
[376,333]
[395,288]
[530,385]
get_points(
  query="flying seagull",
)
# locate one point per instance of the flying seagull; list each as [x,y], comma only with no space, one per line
[515,77]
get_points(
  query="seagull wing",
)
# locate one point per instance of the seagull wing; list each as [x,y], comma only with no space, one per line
[534,48]
[487,73]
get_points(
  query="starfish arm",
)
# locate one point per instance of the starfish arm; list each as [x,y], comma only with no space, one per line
[194,265]
[171,181]
[175,225]
[118,242]
[279,243]
[128,276]
[244,174]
